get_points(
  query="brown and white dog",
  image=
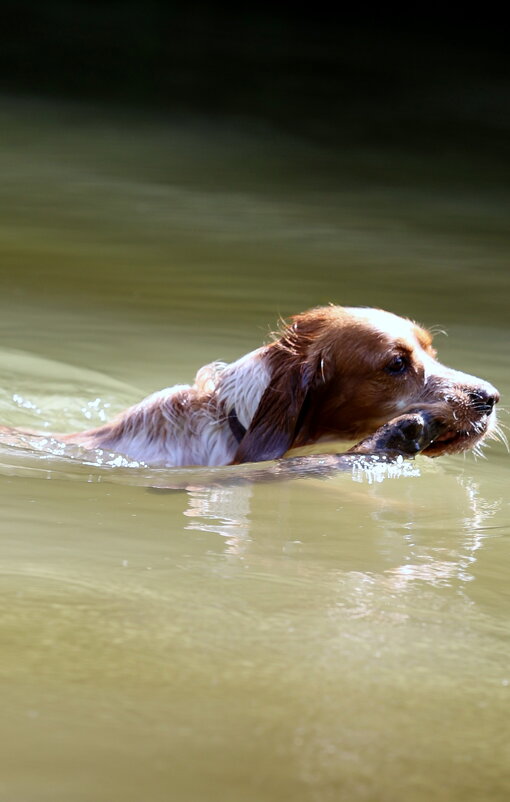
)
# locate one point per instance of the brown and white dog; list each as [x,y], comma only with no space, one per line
[332,372]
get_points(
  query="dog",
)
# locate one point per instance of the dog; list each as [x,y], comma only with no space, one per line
[330,373]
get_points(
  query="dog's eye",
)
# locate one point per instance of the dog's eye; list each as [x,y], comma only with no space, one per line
[398,364]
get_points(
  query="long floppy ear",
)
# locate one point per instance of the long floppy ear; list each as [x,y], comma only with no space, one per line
[280,412]
[301,363]
[274,424]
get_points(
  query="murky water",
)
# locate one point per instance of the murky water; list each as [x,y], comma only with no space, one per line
[312,640]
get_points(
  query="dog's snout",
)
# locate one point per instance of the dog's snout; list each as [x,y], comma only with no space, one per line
[484,398]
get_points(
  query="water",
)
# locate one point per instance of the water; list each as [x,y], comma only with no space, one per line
[313,640]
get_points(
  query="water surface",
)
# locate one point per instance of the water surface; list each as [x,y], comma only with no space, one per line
[311,640]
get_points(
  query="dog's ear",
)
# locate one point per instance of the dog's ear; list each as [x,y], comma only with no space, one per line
[301,364]
[281,411]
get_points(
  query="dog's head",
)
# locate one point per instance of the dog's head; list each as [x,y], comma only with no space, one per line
[342,372]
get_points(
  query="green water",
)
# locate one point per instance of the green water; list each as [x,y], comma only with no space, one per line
[345,639]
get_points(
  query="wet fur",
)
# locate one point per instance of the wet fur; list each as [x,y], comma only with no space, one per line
[327,374]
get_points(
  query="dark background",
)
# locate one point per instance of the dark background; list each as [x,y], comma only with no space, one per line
[327,76]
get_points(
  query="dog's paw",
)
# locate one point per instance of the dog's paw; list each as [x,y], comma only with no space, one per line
[406,435]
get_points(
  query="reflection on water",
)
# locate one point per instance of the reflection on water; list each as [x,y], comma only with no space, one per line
[183,634]
[225,511]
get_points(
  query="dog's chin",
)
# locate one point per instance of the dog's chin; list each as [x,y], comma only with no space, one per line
[456,440]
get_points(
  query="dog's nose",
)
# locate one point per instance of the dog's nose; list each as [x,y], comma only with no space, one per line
[484,398]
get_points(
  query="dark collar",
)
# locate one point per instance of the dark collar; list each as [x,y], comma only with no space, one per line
[236,427]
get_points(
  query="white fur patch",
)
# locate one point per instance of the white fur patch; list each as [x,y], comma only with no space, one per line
[242,384]
[191,421]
